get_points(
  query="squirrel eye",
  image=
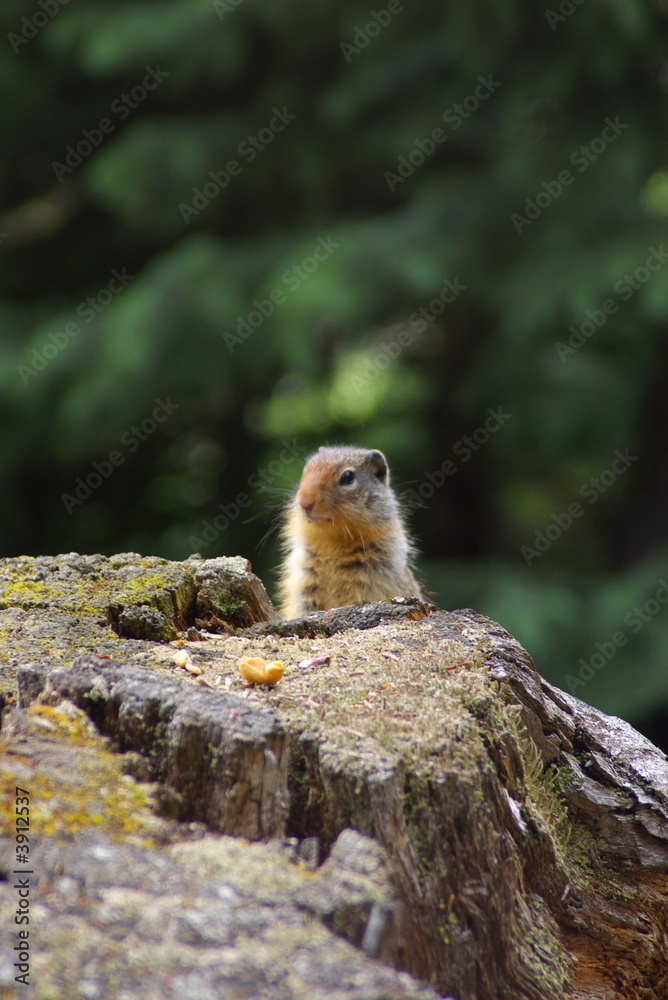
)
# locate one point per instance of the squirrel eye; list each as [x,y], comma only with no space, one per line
[347,477]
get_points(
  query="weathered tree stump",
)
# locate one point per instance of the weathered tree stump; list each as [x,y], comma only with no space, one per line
[503,839]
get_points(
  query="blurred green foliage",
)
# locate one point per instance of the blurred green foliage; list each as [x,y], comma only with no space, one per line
[291,194]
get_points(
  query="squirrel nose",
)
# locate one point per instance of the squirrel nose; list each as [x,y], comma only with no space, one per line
[306,501]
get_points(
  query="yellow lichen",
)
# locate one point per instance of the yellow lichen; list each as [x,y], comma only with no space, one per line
[74,782]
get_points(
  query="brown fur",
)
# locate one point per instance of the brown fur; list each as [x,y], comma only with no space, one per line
[345,543]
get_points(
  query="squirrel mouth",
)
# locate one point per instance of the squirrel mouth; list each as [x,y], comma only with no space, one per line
[310,516]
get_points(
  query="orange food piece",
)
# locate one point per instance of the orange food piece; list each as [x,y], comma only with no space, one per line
[256,670]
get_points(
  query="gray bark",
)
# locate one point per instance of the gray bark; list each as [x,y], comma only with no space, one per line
[503,839]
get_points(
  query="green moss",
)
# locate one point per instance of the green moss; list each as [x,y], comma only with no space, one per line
[102,797]
[542,951]
[227,598]
[415,802]
[581,850]
[539,785]
[542,789]
[479,706]
[95,585]
[340,920]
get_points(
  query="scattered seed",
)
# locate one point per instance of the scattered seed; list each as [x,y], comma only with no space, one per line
[314,661]
[182,659]
[256,670]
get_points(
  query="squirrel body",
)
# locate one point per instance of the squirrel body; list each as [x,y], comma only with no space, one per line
[344,535]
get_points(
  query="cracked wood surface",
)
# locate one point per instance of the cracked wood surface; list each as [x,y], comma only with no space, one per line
[525,834]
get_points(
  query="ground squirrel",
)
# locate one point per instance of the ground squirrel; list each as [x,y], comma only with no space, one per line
[344,535]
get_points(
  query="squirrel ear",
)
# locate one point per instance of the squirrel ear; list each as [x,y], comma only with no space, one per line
[378,463]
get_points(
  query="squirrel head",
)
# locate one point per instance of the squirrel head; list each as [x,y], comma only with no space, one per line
[343,488]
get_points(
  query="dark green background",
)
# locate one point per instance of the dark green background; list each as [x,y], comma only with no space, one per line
[524,198]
